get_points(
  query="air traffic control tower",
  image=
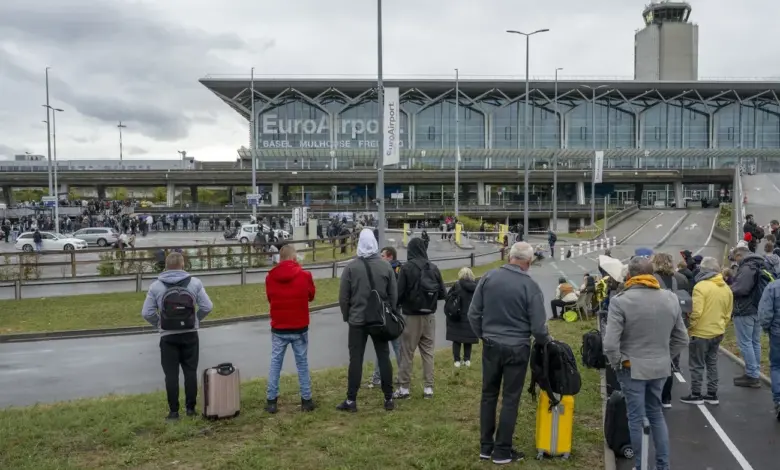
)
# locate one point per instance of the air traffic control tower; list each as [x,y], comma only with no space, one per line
[667,48]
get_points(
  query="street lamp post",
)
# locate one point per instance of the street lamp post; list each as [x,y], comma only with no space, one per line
[527,126]
[457,139]
[253,140]
[56,186]
[555,157]
[183,154]
[48,130]
[380,183]
[593,137]
[120,126]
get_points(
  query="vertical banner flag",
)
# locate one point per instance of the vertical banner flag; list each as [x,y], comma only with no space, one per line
[598,167]
[391,127]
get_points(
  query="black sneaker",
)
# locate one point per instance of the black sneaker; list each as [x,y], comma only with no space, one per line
[692,400]
[191,412]
[485,455]
[711,399]
[347,405]
[271,406]
[666,404]
[307,405]
[513,456]
[748,382]
[389,404]
[172,416]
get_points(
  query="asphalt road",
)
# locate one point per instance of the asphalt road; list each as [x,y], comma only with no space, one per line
[763,193]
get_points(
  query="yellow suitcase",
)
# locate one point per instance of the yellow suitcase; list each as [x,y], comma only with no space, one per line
[554,427]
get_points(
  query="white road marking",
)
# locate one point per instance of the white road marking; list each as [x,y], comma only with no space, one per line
[714,221]
[659,226]
[720,432]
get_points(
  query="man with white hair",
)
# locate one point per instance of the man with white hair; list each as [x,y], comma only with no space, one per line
[507,309]
[713,303]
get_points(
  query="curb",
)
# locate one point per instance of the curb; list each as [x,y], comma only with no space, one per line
[674,229]
[633,232]
[139,330]
[766,380]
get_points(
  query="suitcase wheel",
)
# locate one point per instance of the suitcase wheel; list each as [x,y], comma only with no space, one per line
[565,457]
[628,452]
[540,456]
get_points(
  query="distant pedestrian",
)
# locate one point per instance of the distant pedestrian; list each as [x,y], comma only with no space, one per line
[176,304]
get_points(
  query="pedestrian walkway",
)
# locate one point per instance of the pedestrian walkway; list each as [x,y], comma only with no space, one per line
[739,434]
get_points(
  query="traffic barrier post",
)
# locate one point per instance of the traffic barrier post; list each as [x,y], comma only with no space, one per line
[563,253]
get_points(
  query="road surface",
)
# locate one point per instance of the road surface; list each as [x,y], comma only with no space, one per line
[763,193]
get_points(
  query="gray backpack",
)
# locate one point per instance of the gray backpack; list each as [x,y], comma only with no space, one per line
[686,302]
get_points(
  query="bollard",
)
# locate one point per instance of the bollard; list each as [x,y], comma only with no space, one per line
[335,273]
[579,253]
[598,244]
[472,260]
[18,289]
[563,253]
[139,282]
[606,242]
[614,241]
[587,247]
[243,275]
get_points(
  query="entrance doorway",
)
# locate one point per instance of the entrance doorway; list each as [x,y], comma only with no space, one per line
[650,197]
[625,197]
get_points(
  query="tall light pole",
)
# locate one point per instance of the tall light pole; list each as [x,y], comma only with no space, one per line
[457,139]
[380,92]
[527,125]
[120,126]
[252,140]
[48,130]
[593,137]
[54,112]
[559,122]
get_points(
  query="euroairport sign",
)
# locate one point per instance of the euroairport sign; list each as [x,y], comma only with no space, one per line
[275,132]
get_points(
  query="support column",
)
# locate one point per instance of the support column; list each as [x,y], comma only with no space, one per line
[64,190]
[8,196]
[231,194]
[194,194]
[334,192]
[101,191]
[480,193]
[679,195]
[275,194]
[170,194]
[581,193]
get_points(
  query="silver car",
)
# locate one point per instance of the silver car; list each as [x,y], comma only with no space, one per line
[100,236]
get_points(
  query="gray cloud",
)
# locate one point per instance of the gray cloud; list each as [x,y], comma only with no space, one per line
[7,151]
[135,150]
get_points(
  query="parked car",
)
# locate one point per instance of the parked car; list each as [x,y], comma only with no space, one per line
[100,236]
[248,233]
[51,242]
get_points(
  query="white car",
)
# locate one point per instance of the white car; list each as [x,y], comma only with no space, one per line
[51,242]
[248,233]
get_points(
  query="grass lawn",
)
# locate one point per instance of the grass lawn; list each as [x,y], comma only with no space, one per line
[589,233]
[442,433]
[730,342]
[124,309]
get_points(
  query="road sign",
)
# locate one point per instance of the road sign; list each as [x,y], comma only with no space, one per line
[254,199]
[396,195]
[49,201]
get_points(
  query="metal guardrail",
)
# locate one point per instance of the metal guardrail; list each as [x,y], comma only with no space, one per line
[139,282]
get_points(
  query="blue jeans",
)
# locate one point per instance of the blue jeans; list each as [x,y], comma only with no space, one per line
[748,331]
[643,399]
[375,379]
[774,366]
[39,246]
[300,347]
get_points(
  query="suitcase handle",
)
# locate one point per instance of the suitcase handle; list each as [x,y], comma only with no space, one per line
[226,368]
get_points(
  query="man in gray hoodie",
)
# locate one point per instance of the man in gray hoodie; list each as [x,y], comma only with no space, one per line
[175,304]
[506,310]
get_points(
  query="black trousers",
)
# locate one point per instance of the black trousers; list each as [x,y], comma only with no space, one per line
[456,351]
[555,304]
[356,342]
[180,350]
[666,393]
[507,364]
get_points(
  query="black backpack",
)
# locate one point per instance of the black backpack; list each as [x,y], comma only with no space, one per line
[592,350]
[425,295]
[380,318]
[554,370]
[178,307]
[452,305]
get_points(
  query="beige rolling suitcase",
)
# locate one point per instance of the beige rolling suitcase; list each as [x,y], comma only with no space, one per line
[221,392]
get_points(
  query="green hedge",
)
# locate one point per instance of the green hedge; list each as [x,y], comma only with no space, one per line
[724,216]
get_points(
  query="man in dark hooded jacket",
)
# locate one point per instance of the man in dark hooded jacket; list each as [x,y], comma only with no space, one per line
[420,286]
[745,315]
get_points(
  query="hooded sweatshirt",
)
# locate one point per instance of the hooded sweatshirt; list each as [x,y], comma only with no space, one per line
[355,287]
[713,303]
[409,277]
[289,289]
[154,298]
[744,283]
[773,261]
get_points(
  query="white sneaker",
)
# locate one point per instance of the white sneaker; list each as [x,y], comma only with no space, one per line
[457,364]
[467,363]
[427,392]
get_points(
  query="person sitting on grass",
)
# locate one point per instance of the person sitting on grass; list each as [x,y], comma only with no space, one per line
[176,304]
[289,289]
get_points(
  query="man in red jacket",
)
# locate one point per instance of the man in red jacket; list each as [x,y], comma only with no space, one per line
[289,289]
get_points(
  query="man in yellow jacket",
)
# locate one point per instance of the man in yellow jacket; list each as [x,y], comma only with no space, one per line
[713,303]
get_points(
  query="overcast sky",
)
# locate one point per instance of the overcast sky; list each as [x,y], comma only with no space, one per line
[139,61]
